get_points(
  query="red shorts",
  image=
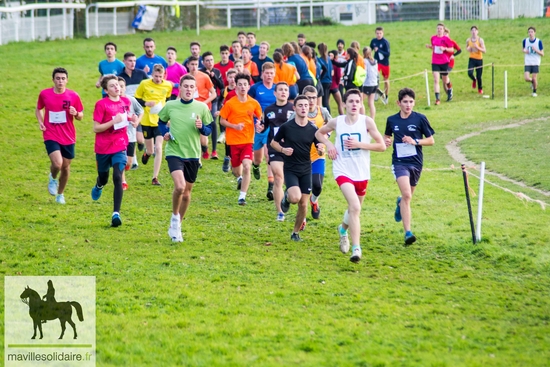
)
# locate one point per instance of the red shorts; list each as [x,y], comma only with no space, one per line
[360,186]
[239,153]
[384,70]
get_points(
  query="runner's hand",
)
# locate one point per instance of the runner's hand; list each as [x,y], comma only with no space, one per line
[198,122]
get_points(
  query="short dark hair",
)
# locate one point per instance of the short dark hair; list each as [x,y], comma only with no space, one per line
[121,79]
[267,65]
[340,41]
[171,48]
[311,44]
[224,48]
[406,92]
[242,76]
[236,41]
[379,29]
[301,35]
[241,32]
[533,28]
[300,97]
[106,79]
[129,54]
[309,89]
[207,53]
[194,43]
[60,71]
[251,33]
[280,83]
[350,92]
[187,77]
[148,39]
[109,44]
[474,26]
[245,48]
[192,58]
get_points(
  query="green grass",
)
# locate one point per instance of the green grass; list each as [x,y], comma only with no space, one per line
[237,292]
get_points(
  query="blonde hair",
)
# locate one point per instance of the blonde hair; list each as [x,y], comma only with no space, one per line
[367,53]
[158,68]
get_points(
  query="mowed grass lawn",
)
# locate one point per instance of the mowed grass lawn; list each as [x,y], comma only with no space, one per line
[238,292]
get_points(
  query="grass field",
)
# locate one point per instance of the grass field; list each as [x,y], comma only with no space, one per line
[238,292]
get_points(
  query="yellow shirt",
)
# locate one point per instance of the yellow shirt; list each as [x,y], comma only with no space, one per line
[319,122]
[478,55]
[158,93]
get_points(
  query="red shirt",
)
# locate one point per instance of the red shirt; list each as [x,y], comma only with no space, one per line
[223,69]
[57,119]
[111,141]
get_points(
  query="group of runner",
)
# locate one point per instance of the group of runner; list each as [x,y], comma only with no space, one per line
[272,107]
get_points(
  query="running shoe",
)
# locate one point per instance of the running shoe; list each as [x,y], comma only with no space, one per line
[256,172]
[155,182]
[285,205]
[239,183]
[344,240]
[127,167]
[410,238]
[480,91]
[242,202]
[96,192]
[52,185]
[437,102]
[355,254]
[315,210]
[269,194]
[205,155]
[397,215]
[303,226]
[474,84]
[225,166]
[60,199]
[115,220]
[214,155]
[134,167]
[174,231]
[221,138]
[141,146]
[295,237]
[145,158]
[281,217]
[449,94]
[124,186]
[534,94]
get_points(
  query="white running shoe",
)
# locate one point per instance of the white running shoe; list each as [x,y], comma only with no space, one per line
[52,185]
[174,231]
[60,198]
[221,138]
[356,255]
[344,241]
[534,94]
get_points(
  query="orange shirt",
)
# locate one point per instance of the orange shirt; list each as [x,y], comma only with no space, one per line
[252,67]
[236,112]
[204,84]
[361,61]
[319,122]
[285,73]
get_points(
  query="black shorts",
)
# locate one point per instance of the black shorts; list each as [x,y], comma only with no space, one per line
[150,132]
[303,181]
[532,69]
[190,168]
[276,157]
[412,172]
[369,90]
[302,83]
[139,129]
[320,90]
[67,151]
[442,69]
[130,149]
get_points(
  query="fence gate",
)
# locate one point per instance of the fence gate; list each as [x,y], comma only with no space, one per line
[465,10]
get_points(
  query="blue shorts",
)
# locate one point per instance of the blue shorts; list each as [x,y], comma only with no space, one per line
[292,91]
[412,172]
[318,167]
[106,161]
[67,151]
[260,139]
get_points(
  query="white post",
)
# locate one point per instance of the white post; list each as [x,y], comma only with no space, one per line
[198,19]
[258,13]
[114,21]
[480,201]
[298,14]
[0,30]
[97,21]
[16,22]
[64,22]
[228,16]
[441,10]
[427,86]
[513,15]
[310,11]
[32,24]
[49,30]
[505,88]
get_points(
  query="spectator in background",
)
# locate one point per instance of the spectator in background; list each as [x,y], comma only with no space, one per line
[262,56]
[476,47]
[381,48]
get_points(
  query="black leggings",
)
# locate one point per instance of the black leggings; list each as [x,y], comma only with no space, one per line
[103,178]
[326,95]
[317,183]
[214,135]
[475,63]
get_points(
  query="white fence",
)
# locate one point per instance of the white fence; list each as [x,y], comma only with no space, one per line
[56,20]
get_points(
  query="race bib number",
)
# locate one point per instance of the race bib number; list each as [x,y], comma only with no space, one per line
[58,117]
[438,50]
[123,123]
[156,109]
[405,150]
[275,130]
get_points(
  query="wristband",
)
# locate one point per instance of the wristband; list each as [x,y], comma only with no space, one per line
[416,141]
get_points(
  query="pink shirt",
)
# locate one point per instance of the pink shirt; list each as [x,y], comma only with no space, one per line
[111,141]
[438,56]
[174,74]
[57,119]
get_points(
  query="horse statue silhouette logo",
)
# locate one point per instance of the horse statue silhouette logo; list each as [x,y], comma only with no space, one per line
[41,311]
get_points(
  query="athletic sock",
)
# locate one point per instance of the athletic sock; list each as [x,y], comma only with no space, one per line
[314,198]
[242,195]
[408,233]
[255,165]
[534,90]
[437,96]
[174,217]
[353,247]
[343,231]
[204,148]
[270,179]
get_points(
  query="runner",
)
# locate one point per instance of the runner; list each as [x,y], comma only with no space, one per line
[237,115]
[217,81]
[440,45]
[476,47]
[228,93]
[153,94]
[225,64]
[149,59]
[408,128]
[111,118]
[250,65]
[264,93]
[236,49]
[381,48]
[351,164]
[189,120]
[135,109]
[533,50]
[262,56]
[294,139]
[174,71]
[370,85]
[252,46]
[274,116]
[61,106]
[109,66]
[195,49]
[451,53]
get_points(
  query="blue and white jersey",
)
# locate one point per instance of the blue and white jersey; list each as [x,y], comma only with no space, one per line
[143,61]
[263,95]
[532,58]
